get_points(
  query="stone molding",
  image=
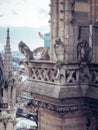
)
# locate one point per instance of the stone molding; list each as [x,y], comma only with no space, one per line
[63,109]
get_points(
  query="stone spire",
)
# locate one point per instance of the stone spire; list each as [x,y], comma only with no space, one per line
[7,90]
[8,67]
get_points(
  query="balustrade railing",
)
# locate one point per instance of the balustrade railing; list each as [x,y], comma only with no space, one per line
[94,74]
[64,74]
[3,105]
[42,71]
[49,72]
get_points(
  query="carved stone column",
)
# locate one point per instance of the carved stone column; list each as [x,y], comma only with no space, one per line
[61,27]
[54,26]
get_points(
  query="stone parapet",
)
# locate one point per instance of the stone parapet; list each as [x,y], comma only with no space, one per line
[3,105]
[61,80]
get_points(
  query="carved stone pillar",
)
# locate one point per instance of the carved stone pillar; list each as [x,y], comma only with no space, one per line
[54,26]
[61,27]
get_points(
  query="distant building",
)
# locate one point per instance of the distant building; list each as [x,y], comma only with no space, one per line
[47,40]
[16,57]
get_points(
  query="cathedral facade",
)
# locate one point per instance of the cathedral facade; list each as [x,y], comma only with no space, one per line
[63,91]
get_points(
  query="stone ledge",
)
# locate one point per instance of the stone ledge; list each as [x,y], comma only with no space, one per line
[56,90]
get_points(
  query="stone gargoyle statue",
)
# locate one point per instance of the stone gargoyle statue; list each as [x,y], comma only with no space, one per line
[30,55]
[25,50]
[59,48]
[44,53]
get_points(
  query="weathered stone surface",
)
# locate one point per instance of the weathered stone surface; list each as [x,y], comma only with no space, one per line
[65,93]
[42,88]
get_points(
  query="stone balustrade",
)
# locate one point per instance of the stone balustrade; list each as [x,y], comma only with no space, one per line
[47,71]
[62,73]
[94,74]
[42,71]
[3,105]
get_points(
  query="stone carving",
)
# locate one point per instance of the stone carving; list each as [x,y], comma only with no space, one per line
[24,49]
[72,11]
[85,75]
[34,73]
[91,121]
[3,105]
[11,80]
[62,110]
[60,76]
[44,53]
[84,52]
[88,74]
[88,122]
[67,75]
[59,48]
[72,76]
[44,74]
[25,69]
[95,77]
[40,76]
[53,73]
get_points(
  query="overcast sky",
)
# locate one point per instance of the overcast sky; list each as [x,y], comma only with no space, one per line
[31,16]
[33,13]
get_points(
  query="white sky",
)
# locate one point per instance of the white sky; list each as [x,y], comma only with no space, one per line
[24,13]
[32,13]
